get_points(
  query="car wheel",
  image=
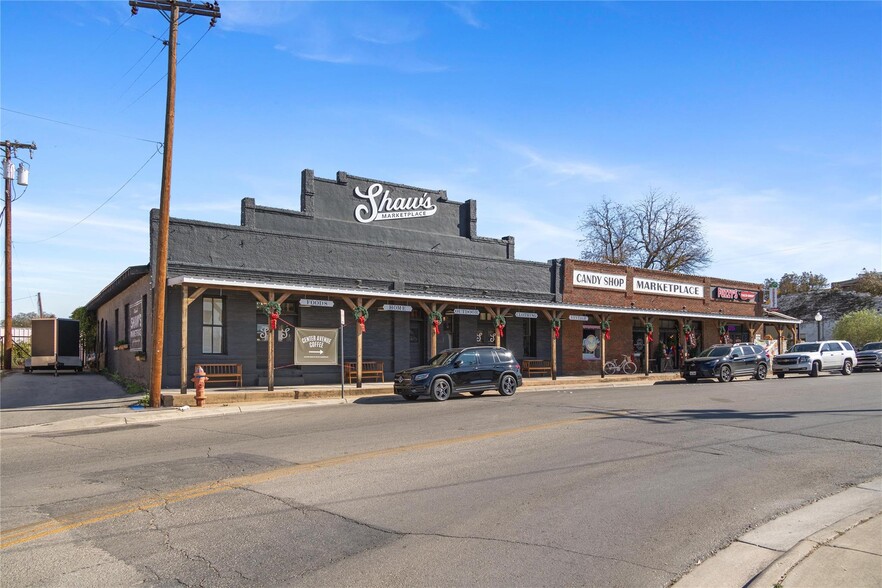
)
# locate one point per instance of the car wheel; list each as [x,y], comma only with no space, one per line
[410,397]
[440,390]
[780,376]
[725,374]
[816,367]
[761,371]
[477,392]
[507,385]
[846,368]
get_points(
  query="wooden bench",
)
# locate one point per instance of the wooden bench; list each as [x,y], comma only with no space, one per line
[536,367]
[370,370]
[223,372]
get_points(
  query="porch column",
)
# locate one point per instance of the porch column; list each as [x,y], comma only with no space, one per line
[433,337]
[359,302]
[186,300]
[604,318]
[551,318]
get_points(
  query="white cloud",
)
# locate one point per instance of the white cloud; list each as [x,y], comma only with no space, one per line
[465,11]
[564,168]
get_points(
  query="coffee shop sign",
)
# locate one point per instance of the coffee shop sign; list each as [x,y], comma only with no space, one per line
[381,206]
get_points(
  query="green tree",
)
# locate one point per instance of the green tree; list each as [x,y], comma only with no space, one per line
[88,327]
[23,319]
[860,327]
[793,283]
[869,281]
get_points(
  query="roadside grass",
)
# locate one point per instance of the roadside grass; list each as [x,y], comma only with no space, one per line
[130,386]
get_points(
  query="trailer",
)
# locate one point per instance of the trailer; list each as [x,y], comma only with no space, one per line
[55,345]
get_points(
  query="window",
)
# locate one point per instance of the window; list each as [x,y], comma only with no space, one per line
[115,325]
[126,326]
[530,337]
[212,325]
[486,356]
[468,358]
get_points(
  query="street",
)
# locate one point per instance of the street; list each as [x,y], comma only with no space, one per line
[598,487]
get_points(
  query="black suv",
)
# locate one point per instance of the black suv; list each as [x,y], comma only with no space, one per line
[724,362]
[468,369]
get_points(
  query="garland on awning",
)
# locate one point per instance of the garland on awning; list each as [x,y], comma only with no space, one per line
[272,309]
[361,314]
[436,321]
[500,324]
[604,326]
[555,324]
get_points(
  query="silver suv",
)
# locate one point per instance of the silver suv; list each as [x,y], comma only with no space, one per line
[869,357]
[816,357]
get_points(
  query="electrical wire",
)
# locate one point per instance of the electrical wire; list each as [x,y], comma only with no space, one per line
[149,49]
[166,75]
[155,57]
[111,197]
[59,122]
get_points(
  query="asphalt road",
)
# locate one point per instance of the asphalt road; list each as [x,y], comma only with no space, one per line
[601,487]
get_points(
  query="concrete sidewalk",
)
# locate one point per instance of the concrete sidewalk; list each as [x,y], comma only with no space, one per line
[836,541]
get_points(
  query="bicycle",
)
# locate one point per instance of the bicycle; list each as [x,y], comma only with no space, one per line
[626,366]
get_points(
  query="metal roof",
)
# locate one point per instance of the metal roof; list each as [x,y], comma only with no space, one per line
[438,297]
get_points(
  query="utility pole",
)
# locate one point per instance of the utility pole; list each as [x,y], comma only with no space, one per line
[8,172]
[175,9]
[40,304]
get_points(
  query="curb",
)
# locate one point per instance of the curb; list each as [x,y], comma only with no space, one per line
[761,558]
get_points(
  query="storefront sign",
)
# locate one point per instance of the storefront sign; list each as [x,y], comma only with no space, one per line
[582,279]
[530,315]
[381,206]
[315,346]
[311,302]
[645,286]
[398,307]
[136,326]
[579,317]
[734,294]
[467,311]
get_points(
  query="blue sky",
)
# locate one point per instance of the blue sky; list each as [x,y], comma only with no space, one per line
[767,117]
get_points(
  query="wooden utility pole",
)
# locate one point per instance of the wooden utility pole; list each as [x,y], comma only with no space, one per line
[10,147]
[40,304]
[175,9]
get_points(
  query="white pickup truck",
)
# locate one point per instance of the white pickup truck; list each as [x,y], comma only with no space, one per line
[813,358]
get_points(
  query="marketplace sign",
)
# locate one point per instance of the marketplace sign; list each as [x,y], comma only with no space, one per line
[645,286]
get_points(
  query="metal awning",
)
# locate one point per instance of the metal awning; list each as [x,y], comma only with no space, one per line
[188,280]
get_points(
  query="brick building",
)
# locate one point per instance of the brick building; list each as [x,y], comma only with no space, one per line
[407,256]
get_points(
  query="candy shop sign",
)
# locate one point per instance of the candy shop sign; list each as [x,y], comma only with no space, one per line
[381,206]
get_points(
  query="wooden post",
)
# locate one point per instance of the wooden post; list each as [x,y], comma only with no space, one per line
[358,335]
[271,354]
[186,301]
[603,318]
[185,307]
[551,318]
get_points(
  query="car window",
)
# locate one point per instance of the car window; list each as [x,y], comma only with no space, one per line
[442,358]
[468,358]
[871,346]
[804,348]
[719,351]
[758,349]
[835,346]
[847,345]
[504,355]
[486,356]
[827,347]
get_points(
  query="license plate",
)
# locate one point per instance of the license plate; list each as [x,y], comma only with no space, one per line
[692,373]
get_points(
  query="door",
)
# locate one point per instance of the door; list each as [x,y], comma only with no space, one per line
[465,369]
[417,343]
[742,363]
[831,356]
[486,372]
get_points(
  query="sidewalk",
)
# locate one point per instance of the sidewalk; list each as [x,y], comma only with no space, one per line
[836,541]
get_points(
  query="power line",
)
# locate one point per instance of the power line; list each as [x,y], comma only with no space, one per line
[60,122]
[82,220]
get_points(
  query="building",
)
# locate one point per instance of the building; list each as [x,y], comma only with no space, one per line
[404,258]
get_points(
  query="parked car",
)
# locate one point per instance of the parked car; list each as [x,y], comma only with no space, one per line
[869,357]
[816,357]
[468,369]
[725,362]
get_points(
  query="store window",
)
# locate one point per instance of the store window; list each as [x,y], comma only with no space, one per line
[212,325]
[591,340]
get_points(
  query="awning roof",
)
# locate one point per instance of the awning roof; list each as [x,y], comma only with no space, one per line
[429,297]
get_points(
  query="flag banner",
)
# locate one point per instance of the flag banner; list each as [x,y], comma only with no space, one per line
[315,346]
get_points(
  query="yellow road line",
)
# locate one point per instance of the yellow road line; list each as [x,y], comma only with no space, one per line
[28,533]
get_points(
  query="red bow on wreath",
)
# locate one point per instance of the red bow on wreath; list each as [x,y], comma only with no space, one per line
[436,321]
[361,313]
[604,326]
[500,325]
[649,332]
[555,325]
[361,324]
[273,318]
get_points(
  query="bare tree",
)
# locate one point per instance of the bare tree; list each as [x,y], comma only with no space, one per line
[608,229]
[658,232]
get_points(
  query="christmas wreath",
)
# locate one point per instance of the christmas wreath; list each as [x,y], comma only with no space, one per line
[687,328]
[604,326]
[648,327]
[500,324]
[272,309]
[436,321]
[555,324]
[361,315]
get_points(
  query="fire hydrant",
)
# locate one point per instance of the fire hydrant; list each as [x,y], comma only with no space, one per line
[199,379]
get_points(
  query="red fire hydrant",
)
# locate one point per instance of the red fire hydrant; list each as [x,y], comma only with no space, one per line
[199,379]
